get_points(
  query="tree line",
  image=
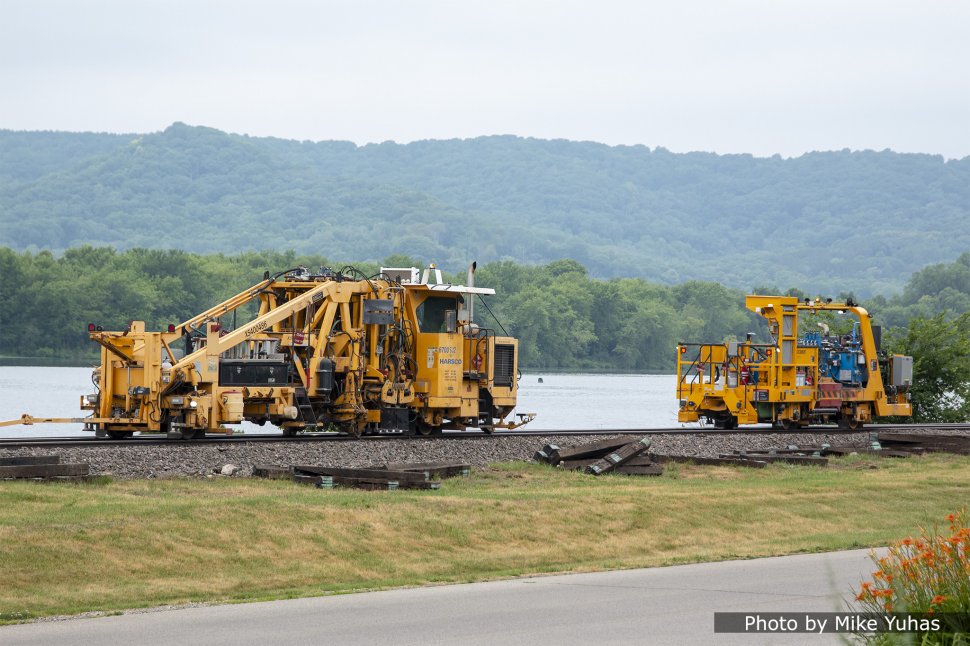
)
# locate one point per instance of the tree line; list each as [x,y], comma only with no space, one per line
[564,318]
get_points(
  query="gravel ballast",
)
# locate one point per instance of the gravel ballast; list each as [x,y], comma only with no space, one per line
[204,459]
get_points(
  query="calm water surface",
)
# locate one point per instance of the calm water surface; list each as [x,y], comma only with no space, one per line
[562,401]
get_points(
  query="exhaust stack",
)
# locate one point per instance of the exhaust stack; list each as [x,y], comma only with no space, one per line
[471,297]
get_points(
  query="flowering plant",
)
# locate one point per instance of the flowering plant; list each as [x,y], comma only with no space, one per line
[927,575]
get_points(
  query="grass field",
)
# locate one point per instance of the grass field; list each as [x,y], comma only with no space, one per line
[66,548]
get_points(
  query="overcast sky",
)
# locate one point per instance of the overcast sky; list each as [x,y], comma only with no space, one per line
[757,76]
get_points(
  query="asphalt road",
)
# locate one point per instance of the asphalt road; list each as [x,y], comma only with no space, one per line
[672,605]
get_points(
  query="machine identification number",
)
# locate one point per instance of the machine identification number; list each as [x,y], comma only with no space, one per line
[256,328]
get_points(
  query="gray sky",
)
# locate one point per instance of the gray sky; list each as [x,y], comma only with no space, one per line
[758,76]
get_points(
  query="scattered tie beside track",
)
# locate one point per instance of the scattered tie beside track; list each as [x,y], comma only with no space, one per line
[887,445]
[41,467]
[625,455]
[393,475]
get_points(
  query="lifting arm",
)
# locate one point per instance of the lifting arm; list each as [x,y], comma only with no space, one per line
[261,323]
[228,305]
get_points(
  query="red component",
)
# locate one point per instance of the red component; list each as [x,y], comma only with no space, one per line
[808,377]
[92,327]
[171,328]
[745,375]
[477,362]
[216,327]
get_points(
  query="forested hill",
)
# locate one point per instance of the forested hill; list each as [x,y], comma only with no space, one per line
[829,222]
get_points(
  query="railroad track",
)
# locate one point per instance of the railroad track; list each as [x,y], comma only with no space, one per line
[150,440]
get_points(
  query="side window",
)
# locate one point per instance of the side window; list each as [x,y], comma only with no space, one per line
[431,313]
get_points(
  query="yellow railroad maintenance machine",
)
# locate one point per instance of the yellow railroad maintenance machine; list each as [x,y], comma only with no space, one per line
[397,352]
[795,380]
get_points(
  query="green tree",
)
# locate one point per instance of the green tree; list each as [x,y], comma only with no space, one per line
[940,348]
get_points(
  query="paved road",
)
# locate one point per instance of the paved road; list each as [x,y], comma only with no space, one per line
[672,605]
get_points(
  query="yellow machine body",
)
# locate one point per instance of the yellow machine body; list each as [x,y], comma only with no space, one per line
[795,380]
[328,352]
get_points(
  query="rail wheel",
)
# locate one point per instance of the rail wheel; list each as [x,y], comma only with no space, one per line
[728,422]
[424,429]
[850,424]
[790,425]
[120,435]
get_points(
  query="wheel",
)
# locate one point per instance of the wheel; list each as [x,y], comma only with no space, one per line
[727,423]
[850,424]
[424,429]
[120,435]
[789,424]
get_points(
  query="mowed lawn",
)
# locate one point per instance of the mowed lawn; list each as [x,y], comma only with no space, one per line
[67,548]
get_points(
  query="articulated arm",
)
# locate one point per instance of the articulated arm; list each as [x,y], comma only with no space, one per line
[264,322]
[229,305]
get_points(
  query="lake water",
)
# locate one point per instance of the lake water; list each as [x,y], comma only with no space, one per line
[561,401]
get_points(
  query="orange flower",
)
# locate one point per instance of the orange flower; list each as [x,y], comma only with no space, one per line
[937,600]
[907,541]
[951,517]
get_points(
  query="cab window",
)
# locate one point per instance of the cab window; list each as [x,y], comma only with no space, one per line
[431,313]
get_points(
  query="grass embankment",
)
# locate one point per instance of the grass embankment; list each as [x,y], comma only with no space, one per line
[72,548]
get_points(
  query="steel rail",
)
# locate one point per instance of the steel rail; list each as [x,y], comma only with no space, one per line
[155,440]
